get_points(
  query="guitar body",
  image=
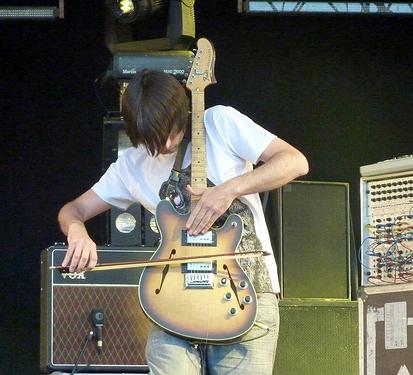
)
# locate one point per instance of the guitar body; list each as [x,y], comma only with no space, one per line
[209,301]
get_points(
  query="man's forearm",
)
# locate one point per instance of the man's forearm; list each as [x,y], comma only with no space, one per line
[279,168]
[68,214]
[277,171]
[83,208]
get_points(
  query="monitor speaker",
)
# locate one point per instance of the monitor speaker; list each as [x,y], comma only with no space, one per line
[310,230]
[131,227]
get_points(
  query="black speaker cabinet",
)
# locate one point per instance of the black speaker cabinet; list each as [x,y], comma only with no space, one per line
[317,338]
[67,302]
[131,227]
[310,230]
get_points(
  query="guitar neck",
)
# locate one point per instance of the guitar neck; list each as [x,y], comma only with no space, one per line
[200,76]
[199,166]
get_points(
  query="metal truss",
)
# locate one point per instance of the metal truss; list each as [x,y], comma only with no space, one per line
[250,6]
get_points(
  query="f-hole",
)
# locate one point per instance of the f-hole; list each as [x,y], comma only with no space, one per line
[165,272]
[233,286]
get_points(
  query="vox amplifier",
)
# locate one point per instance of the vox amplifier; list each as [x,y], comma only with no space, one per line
[67,305]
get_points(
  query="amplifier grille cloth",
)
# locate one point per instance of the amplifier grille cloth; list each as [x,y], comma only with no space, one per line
[318,340]
[124,332]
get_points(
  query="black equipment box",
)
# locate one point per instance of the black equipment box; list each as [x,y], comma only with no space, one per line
[67,301]
[127,64]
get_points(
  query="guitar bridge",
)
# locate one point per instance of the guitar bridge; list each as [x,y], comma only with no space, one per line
[199,275]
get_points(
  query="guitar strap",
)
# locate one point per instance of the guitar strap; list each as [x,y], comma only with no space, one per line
[170,187]
[180,156]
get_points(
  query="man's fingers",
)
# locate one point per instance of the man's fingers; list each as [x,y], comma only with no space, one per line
[202,224]
[194,192]
[195,216]
[81,256]
[197,223]
[208,225]
[93,259]
[83,260]
[68,256]
[74,264]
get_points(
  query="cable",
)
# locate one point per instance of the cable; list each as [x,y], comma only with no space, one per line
[87,340]
[241,341]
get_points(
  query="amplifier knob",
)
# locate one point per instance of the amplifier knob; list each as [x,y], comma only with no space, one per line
[247,299]
[223,281]
[232,311]
[228,296]
[243,284]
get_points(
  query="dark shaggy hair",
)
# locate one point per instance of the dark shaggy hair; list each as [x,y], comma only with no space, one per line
[154,106]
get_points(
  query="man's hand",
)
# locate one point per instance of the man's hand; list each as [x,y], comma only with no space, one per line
[81,253]
[213,202]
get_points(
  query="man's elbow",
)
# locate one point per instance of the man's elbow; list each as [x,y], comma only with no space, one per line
[302,165]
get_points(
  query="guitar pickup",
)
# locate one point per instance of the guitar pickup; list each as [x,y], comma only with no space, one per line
[207,239]
[199,275]
[200,267]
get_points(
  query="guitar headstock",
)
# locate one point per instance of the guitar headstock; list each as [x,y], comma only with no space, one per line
[202,70]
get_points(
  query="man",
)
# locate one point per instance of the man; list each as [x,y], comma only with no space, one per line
[155,109]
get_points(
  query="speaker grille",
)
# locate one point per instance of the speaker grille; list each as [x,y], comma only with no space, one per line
[316,240]
[310,231]
[124,332]
[318,340]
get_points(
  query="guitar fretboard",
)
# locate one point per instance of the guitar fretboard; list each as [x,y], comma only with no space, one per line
[199,166]
[200,76]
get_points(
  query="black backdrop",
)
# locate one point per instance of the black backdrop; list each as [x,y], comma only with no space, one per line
[339,88]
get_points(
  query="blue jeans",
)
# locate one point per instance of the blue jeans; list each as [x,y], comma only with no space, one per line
[169,355]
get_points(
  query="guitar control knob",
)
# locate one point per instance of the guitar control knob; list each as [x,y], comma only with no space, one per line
[243,284]
[232,311]
[247,299]
[223,281]
[228,296]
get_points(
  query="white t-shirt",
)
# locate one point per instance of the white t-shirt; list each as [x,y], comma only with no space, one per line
[233,144]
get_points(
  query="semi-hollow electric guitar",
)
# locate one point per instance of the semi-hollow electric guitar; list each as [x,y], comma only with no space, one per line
[205,300]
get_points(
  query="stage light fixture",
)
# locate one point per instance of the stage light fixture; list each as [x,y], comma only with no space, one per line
[149,25]
[128,11]
[124,11]
[126,6]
